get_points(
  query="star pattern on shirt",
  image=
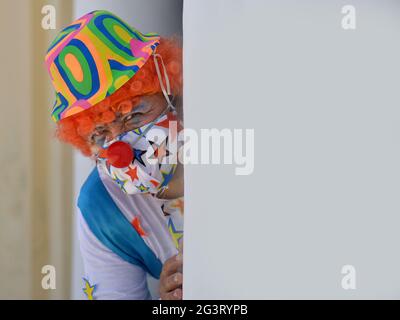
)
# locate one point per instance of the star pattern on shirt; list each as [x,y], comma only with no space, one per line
[167,176]
[138,155]
[176,234]
[138,227]
[142,188]
[160,151]
[138,131]
[121,183]
[155,183]
[132,172]
[89,289]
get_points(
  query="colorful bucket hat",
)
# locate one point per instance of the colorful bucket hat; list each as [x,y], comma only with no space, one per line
[92,58]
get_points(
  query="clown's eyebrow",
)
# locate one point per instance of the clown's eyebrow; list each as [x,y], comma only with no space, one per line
[101,127]
[144,106]
[140,107]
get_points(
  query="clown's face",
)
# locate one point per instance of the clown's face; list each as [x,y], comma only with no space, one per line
[139,149]
[147,110]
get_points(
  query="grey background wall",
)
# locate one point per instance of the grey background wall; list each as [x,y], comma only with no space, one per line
[163,17]
[324,103]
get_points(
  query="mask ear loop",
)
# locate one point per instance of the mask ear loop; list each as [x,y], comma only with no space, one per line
[166,91]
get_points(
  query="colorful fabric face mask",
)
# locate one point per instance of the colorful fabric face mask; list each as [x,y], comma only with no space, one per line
[144,159]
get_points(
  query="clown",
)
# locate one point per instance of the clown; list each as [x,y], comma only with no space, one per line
[118,100]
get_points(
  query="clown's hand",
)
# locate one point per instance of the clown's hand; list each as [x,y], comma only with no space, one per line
[171,278]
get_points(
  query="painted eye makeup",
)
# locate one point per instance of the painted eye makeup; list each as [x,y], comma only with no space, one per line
[131,116]
[136,115]
[142,108]
[99,135]
[140,115]
[98,139]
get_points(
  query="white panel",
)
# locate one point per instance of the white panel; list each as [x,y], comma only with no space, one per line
[324,103]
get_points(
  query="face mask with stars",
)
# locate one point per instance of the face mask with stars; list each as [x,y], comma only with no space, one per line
[146,157]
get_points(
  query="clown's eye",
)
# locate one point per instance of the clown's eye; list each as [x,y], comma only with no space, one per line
[133,117]
[130,117]
[99,135]
[100,132]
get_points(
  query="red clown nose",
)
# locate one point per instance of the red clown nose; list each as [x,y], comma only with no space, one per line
[119,154]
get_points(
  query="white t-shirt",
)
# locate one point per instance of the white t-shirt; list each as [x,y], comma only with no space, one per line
[160,224]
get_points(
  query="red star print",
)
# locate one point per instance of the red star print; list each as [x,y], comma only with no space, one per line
[161,151]
[132,172]
[155,183]
[138,227]
[165,123]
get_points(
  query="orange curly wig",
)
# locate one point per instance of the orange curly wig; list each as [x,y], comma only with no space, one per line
[76,129]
